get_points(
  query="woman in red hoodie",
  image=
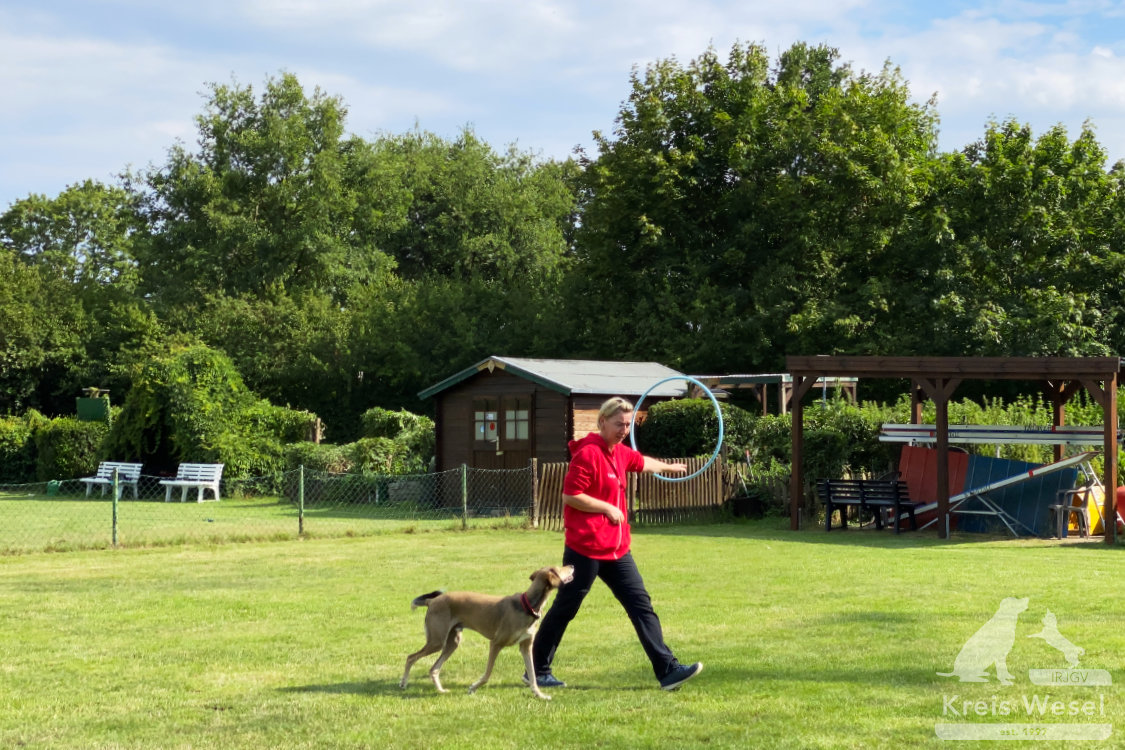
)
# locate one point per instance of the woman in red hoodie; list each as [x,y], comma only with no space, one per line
[597,539]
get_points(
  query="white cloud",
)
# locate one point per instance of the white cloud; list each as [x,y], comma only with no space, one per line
[104,85]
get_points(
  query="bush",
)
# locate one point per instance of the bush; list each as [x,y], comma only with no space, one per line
[380,455]
[414,431]
[17,450]
[689,427]
[190,405]
[285,424]
[67,448]
[331,459]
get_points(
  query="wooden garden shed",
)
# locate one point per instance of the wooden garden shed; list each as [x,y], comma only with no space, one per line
[503,411]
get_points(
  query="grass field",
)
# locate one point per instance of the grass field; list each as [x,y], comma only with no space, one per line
[810,640]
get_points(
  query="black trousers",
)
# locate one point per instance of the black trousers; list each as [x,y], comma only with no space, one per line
[624,580]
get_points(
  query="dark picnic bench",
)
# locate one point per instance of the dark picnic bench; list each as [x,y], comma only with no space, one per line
[874,495]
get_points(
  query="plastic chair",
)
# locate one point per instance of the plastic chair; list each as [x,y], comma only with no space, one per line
[1065,507]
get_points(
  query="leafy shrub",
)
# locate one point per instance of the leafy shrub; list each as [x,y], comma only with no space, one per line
[689,427]
[17,450]
[190,405]
[67,448]
[380,455]
[331,459]
[287,425]
[414,431]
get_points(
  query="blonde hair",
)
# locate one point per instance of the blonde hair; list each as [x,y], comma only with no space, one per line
[611,407]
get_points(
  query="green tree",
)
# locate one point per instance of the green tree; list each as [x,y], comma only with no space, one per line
[290,349]
[1011,252]
[737,211]
[40,320]
[84,235]
[472,212]
[82,244]
[268,199]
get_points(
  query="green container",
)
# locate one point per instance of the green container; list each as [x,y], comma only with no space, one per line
[53,488]
[92,409]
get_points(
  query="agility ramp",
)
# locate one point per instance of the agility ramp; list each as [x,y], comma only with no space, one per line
[1011,500]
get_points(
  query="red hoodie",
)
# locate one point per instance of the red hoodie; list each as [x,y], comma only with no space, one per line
[598,471]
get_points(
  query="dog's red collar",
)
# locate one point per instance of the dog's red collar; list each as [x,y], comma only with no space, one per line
[527,606]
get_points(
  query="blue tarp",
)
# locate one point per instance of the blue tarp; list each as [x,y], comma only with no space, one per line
[1024,501]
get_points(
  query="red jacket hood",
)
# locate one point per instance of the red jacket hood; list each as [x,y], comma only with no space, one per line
[591,439]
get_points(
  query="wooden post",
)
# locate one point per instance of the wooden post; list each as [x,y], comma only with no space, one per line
[801,385]
[942,446]
[939,391]
[1110,447]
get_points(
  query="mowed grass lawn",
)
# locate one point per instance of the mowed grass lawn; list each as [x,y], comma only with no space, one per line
[810,640]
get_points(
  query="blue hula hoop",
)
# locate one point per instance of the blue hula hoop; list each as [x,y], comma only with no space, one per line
[718,413]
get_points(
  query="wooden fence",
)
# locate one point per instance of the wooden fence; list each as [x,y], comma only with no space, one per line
[651,500]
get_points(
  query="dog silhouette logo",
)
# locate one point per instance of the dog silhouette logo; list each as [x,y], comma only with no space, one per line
[990,645]
[1050,633]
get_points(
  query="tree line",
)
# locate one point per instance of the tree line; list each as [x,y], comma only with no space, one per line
[741,210]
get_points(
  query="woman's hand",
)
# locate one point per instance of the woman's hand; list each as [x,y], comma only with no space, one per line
[614,514]
[656,466]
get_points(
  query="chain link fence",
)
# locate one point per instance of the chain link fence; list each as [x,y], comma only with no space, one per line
[77,514]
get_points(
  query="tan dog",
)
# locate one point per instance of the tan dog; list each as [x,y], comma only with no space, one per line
[504,621]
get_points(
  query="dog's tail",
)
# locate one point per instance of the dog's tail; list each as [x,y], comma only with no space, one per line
[424,599]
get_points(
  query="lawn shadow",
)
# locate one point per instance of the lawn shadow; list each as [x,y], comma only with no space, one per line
[358,687]
[425,689]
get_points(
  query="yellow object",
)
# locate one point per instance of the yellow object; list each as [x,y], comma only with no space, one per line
[1095,505]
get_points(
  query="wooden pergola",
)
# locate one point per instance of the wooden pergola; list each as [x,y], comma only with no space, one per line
[936,378]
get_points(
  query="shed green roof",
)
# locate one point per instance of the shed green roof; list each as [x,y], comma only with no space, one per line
[576,376]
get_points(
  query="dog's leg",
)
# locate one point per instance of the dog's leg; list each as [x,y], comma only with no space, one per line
[494,649]
[452,641]
[525,649]
[429,648]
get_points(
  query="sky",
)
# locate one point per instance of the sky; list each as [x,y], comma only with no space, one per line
[91,88]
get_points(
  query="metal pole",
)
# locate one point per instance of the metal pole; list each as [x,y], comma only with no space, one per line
[535,493]
[301,500]
[116,492]
[464,496]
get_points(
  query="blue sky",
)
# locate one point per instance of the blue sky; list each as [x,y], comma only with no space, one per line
[91,87]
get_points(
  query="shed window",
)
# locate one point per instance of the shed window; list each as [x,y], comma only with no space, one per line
[517,418]
[486,418]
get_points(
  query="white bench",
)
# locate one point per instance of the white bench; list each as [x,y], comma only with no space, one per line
[201,476]
[127,474]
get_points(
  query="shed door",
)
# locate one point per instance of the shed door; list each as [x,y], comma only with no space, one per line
[503,432]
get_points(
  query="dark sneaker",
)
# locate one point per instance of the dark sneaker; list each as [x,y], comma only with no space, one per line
[679,675]
[547,680]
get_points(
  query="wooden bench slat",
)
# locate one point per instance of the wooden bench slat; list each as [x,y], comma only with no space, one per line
[875,495]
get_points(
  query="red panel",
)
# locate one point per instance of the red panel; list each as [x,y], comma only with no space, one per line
[918,468]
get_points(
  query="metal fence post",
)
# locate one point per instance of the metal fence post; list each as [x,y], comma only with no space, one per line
[301,500]
[464,496]
[534,493]
[116,494]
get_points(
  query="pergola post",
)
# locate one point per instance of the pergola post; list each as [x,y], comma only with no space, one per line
[1106,395]
[939,391]
[797,430]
